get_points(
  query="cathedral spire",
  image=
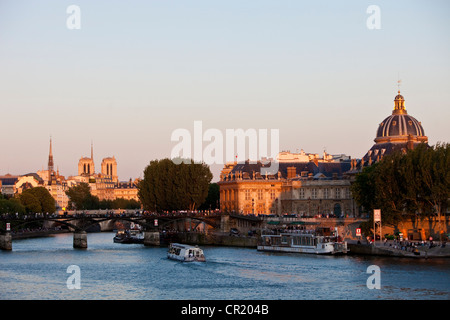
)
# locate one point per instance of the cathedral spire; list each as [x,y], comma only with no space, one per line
[50,157]
[92,151]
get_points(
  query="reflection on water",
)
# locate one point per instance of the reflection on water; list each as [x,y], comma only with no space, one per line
[36,269]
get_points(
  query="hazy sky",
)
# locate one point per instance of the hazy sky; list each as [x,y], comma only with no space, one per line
[138,70]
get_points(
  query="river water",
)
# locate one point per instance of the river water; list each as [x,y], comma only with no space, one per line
[37,269]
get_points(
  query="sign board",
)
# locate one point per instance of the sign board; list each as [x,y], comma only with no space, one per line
[155,222]
[358,232]
[8,226]
[376,215]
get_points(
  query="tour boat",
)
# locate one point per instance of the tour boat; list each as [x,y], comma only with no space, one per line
[302,242]
[186,253]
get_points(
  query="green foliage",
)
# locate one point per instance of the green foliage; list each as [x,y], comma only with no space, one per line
[170,186]
[363,189]
[30,202]
[11,206]
[81,198]
[406,185]
[119,203]
[213,199]
[38,199]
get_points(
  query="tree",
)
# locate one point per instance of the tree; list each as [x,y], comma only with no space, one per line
[363,189]
[431,181]
[38,199]
[390,189]
[11,206]
[415,184]
[213,198]
[81,198]
[30,202]
[48,203]
[379,187]
[170,186]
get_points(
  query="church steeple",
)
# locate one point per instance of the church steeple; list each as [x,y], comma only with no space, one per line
[50,158]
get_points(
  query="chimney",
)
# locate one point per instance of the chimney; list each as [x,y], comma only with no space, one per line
[291,172]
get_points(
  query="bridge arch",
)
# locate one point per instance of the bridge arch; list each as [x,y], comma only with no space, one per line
[169,221]
[22,223]
[87,222]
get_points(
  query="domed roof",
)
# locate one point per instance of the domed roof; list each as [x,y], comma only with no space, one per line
[399,97]
[399,132]
[399,125]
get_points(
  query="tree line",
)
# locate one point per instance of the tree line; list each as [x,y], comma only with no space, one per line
[166,186]
[34,200]
[414,185]
[80,198]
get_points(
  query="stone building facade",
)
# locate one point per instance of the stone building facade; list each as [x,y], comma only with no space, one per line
[306,189]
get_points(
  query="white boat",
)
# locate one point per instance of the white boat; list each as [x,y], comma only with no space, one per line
[302,242]
[186,253]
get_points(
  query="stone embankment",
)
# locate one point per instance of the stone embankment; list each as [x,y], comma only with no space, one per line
[422,252]
[217,239]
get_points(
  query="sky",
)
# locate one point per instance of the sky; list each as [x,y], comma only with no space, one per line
[136,71]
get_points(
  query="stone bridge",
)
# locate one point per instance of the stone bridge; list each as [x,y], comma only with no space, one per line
[152,225]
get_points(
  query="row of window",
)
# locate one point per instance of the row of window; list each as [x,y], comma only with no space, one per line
[260,194]
[325,193]
[315,193]
[303,193]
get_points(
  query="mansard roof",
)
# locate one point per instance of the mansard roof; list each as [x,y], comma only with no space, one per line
[328,169]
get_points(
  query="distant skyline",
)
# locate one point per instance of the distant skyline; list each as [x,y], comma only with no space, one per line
[138,70]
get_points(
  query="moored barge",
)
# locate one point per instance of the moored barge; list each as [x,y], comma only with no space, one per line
[302,242]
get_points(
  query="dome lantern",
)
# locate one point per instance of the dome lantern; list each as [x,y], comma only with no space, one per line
[399,107]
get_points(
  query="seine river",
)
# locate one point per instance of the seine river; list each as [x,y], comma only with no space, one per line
[37,269]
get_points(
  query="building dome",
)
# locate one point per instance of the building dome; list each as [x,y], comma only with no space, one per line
[399,97]
[399,125]
[397,133]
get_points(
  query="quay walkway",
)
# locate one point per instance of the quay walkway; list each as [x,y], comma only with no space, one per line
[415,249]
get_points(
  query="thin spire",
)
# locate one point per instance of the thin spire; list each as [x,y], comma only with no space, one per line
[50,157]
[50,153]
[92,151]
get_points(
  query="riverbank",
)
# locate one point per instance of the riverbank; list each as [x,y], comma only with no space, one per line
[422,252]
[225,239]
[216,239]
